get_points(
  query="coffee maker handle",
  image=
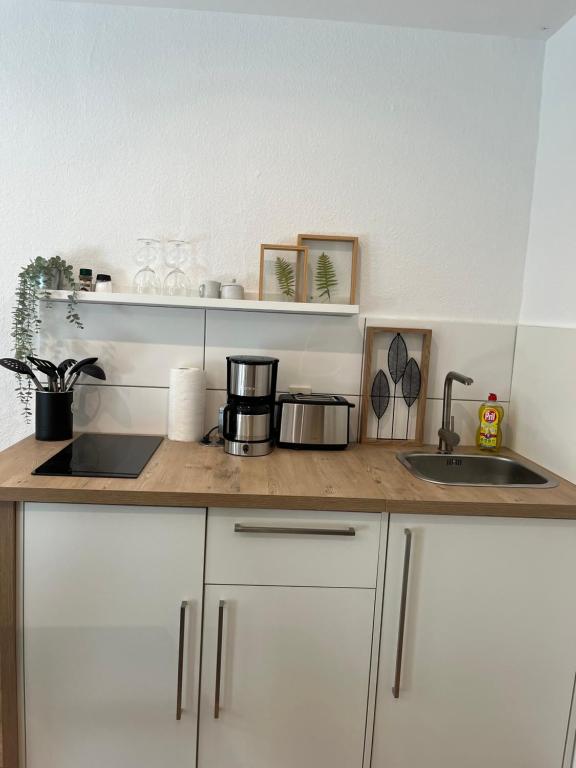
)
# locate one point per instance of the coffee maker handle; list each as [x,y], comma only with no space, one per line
[222,420]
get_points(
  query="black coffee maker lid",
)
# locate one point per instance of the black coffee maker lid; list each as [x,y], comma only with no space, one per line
[252,360]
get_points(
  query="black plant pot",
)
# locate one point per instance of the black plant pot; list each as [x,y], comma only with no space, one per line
[54,420]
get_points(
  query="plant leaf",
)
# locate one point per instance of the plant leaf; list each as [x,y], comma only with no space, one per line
[397,358]
[285,276]
[325,277]
[411,383]
[380,394]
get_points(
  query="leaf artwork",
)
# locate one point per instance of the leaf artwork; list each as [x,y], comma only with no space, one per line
[397,362]
[285,276]
[380,397]
[325,277]
[411,384]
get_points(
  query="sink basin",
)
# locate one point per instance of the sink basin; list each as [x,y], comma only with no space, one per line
[473,469]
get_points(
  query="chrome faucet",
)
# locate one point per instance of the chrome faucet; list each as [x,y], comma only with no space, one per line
[449,439]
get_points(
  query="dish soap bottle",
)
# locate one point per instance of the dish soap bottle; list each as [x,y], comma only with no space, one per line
[489,433]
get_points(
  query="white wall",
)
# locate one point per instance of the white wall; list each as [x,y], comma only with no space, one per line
[550,280]
[234,130]
[543,406]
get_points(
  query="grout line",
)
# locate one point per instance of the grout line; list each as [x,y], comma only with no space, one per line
[279,392]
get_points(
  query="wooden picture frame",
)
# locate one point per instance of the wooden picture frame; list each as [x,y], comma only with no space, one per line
[312,241]
[395,369]
[301,270]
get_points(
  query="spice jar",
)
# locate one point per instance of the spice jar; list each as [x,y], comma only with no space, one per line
[103,283]
[85,280]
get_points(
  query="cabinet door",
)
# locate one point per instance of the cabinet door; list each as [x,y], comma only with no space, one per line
[103,594]
[294,677]
[489,650]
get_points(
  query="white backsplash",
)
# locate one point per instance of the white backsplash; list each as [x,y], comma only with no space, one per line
[138,345]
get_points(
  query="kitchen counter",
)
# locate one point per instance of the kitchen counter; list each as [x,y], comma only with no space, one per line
[364,478]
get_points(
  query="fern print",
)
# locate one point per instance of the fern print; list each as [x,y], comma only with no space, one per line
[285,276]
[325,278]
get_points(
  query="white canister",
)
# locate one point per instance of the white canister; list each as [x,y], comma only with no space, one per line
[210,289]
[232,291]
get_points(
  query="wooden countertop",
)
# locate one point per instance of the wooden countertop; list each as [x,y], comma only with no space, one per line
[364,478]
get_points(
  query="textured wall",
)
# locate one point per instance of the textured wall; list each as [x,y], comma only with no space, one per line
[234,130]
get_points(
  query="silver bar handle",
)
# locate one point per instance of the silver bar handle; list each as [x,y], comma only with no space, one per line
[347,531]
[221,606]
[402,621]
[181,633]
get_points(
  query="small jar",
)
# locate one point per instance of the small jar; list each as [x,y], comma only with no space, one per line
[85,280]
[103,283]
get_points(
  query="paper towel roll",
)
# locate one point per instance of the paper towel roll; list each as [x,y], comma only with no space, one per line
[186,404]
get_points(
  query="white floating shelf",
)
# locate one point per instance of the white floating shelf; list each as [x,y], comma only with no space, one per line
[195,302]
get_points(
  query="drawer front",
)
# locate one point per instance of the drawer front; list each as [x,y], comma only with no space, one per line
[292,548]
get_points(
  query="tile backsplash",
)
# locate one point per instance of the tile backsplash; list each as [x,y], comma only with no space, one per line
[138,345]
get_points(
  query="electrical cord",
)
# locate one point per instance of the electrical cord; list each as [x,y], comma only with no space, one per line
[208,440]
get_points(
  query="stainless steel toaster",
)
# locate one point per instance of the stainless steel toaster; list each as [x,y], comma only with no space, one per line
[316,422]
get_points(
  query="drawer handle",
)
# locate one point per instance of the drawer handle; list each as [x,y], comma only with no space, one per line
[402,621]
[221,605]
[241,528]
[183,607]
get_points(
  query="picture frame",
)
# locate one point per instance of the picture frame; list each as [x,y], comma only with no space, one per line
[343,254]
[394,380]
[283,272]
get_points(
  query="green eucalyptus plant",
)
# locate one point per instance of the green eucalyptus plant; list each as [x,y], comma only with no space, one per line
[35,281]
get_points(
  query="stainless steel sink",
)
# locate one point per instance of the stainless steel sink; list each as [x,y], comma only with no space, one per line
[473,469]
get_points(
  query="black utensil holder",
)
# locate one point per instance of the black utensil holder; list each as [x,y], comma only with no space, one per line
[54,420]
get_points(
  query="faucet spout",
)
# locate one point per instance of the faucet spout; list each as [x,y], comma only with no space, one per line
[459,377]
[448,438]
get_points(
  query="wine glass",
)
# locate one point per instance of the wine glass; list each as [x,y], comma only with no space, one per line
[146,280]
[176,283]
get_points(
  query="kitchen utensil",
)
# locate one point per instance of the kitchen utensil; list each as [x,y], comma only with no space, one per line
[247,420]
[49,370]
[210,289]
[18,366]
[76,367]
[314,422]
[232,291]
[88,370]
[62,368]
[53,417]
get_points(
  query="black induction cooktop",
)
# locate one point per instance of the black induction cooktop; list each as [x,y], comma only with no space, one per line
[102,456]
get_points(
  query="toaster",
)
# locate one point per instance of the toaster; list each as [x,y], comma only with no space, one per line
[316,422]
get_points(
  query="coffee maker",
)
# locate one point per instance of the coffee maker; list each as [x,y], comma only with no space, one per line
[247,420]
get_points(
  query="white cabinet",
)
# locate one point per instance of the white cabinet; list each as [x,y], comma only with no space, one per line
[103,593]
[294,677]
[287,641]
[489,649]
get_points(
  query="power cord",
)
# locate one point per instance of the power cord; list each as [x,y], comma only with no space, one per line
[208,440]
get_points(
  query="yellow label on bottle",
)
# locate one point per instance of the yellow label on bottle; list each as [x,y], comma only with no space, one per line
[489,428]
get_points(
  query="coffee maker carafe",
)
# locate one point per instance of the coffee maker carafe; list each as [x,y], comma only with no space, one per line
[247,420]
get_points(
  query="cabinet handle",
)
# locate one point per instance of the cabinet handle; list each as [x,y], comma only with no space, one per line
[402,621]
[184,604]
[221,605]
[241,528]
